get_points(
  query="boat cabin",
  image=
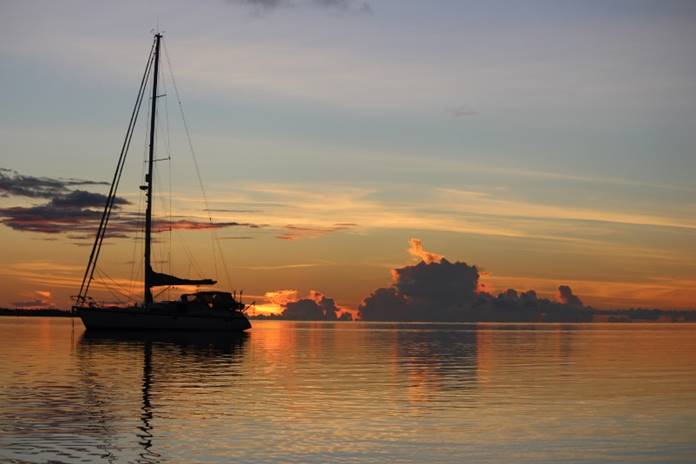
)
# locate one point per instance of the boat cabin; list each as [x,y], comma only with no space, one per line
[213,300]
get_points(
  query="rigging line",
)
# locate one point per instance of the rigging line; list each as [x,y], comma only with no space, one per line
[112,190]
[141,197]
[132,277]
[140,231]
[114,291]
[174,235]
[140,224]
[101,232]
[103,274]
[171,201]
[222,258]
[136,240]
[192,263]
[159,250]
[169,167]
[162,291]
[189,254]
[162,202]
[167,140]
[195,163]
[171,217]
[118,180]
[115,295]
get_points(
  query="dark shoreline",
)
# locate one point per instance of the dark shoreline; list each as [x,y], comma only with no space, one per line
[36,312]
[598,316]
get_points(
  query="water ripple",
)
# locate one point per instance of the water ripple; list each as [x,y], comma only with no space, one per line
[348,393]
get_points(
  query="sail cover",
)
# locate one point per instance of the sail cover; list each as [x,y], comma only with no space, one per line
[158,279]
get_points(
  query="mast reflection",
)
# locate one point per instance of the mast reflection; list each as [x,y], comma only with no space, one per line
[145,437]
[167,354]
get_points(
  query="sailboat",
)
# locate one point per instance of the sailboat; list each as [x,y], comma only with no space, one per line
[201,311]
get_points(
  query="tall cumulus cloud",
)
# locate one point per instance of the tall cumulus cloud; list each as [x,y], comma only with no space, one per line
[436,289]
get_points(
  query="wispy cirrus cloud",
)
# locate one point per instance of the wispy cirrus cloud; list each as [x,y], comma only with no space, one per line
[46,273]
[356,6]
[461,111]
[296,232]
[487,204]
[232,210]
[67,278]
[279,267]
[312,212]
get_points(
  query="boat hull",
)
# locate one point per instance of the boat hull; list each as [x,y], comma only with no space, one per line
[138,319]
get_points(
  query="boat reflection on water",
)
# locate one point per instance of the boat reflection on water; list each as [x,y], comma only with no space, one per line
[172,360]
[342,393]
[193,343]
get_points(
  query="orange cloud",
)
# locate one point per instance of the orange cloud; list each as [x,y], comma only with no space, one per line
[277,302]
[416,249]
[282,297]
[294,232]
[42,302]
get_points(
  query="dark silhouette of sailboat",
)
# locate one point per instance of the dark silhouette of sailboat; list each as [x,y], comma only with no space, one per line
[199,311]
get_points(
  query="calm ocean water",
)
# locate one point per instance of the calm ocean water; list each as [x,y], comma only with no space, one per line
[350,392]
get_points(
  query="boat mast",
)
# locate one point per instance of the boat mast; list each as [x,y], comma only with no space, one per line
[148,177]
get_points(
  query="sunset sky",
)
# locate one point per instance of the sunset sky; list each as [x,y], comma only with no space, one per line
[547,142]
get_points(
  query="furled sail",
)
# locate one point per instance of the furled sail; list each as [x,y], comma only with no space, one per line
[158,279]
